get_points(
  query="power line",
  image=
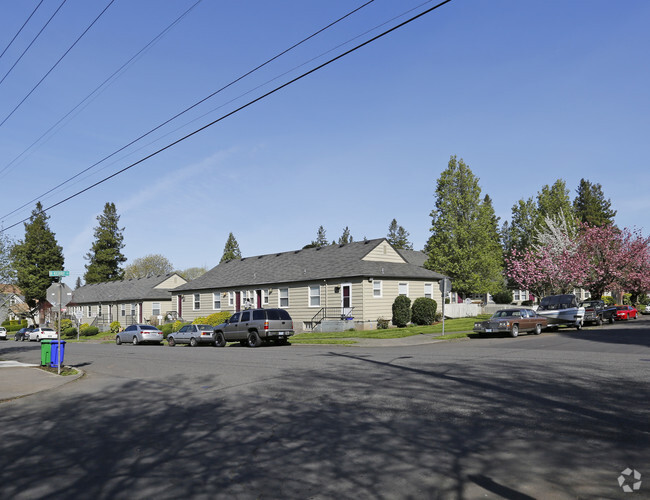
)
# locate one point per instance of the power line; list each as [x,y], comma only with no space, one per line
[237,110]
[57,63]
[21,29]
[33,40]
[191,107]
[111,77]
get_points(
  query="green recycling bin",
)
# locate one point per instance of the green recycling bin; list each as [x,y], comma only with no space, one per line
[46,352]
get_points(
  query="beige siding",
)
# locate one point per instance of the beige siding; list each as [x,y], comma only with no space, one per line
[384,253]
[172,282]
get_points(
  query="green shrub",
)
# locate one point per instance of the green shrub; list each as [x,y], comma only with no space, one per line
[626,299]
[70,332]
[89,331]
[502,297]
[527,303]
[176,325]
[66,323]
[213,320]
[609,301]
[115,327]
[382,324]
[401,311]
[423,311]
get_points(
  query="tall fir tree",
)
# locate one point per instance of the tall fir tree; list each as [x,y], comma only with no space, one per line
[398,236]
[462,233]
[346,237]
[321,239]
[591,207]
[105,257]
[35,256]
[231,249]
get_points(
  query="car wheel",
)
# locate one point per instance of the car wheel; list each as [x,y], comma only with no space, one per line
[254,339]
[193,342]
[611,320]
[118,340]
[579,325]
[171,342]
[538,329]
[599,321]
[515,331]
[219,341]
[135,340]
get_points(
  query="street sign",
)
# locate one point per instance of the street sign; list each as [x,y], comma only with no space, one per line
[445,286]
[59,274]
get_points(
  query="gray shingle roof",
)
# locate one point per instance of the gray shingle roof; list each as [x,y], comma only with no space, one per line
[122,291]
[328,262]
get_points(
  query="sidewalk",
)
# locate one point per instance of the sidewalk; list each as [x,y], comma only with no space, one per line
[21,379]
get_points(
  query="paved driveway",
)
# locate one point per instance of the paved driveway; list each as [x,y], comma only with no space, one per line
[555,416]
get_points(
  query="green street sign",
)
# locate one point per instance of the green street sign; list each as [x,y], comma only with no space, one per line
[59,273]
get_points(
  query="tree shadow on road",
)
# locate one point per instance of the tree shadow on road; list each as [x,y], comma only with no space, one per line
[366,427]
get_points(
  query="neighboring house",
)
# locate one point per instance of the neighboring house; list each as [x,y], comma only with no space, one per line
[144,300]
[12,303]
[354,284]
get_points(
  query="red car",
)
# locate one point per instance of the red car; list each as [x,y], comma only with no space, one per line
[626,312]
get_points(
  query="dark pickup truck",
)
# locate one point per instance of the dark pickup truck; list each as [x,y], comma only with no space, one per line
[597,312]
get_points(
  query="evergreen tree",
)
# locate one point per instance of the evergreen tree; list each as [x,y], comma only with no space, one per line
[591,207]
[464,232]
[78,283]
[321,239]
[231,250]
[553,201]
[398,236]
[519,235]
[346,237]
[35,256]
[105,257]
[149,265]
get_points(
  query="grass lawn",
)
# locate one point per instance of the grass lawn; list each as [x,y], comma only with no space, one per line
[452,326]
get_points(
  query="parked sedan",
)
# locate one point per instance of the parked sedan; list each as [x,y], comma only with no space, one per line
[513,321]
[626,312]
[38,334]
[192,335]
[140,334]
[3,333]
[22,334]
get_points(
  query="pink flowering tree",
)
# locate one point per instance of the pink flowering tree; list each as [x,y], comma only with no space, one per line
[619,260]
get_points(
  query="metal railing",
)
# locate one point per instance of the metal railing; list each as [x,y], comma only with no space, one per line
[331,313]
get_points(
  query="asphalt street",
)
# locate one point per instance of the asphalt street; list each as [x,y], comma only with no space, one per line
[560,415]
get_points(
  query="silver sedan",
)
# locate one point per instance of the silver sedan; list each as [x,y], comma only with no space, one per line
[192,335]
[139,334]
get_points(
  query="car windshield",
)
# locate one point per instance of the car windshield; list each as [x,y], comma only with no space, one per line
[589,303]
[557,302]
[505,314]
[204,327]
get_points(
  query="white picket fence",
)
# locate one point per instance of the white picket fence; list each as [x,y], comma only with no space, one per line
[470,310]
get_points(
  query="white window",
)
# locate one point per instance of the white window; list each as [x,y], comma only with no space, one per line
[132,309]
[197,301]
[123,309]
[216,301]
[428,290]
[155,308]
[265,297]
[231,299]
[516,295]
[403,289]
[283,295]
[314,296]
[99,310]
[376,289]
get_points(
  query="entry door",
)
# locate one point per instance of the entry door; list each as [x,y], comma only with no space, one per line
[346,299]
[237,301]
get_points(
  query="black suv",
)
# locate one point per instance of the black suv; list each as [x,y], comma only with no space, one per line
[253,326]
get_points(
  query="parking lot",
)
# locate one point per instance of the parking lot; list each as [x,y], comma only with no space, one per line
[559,415]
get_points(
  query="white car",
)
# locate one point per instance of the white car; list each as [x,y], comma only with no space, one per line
[38,334]
[647,309]
[3,333]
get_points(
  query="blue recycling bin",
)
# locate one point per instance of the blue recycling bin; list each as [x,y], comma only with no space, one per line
[57,349]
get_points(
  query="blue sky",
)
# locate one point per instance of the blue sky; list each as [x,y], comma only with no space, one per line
[525,92]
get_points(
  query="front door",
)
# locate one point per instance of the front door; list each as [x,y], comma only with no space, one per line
[346,299]
[237,301]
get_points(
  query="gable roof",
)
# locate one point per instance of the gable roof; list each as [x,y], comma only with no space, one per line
[308,264]
[122,291]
